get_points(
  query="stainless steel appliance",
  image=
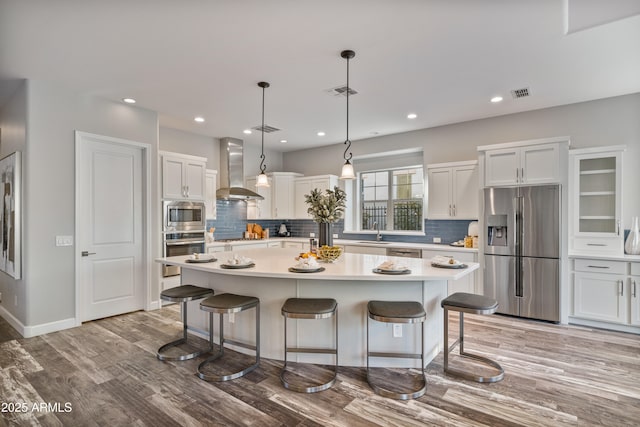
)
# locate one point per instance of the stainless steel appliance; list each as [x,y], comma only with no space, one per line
[183,216]
[180,243]
[522,250]
[232,172]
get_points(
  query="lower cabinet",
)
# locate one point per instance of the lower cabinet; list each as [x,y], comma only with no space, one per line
[468,283]
[368,250]
[606,291]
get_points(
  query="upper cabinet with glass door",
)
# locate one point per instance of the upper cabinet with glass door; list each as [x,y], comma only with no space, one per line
[596,200]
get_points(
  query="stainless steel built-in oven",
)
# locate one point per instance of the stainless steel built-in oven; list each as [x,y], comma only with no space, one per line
[181,243]
[183,216]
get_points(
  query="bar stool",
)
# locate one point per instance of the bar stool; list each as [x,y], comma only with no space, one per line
[184,294]
[309,308]
[230,304]
[475,304]
[397,312]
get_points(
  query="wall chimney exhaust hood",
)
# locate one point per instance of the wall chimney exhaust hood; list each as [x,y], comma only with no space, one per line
[232,172]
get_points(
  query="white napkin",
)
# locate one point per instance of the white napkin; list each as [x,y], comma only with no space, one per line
[239,260]
[444,260]
[392,266]
[307,263]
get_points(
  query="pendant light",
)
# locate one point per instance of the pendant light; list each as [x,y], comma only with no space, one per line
[347,168]
[262,180]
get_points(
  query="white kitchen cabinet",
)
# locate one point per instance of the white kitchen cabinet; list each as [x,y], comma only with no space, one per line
[214,249]
[595,204]
[304,185]
[453,190]
[601,291]
[297,245]
[211,184]
[278,200]
[634,284]
[183,176]
[531,162]
[468,283]
[369,250]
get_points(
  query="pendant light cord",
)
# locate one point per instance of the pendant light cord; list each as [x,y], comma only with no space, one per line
[347,141]
[263,167]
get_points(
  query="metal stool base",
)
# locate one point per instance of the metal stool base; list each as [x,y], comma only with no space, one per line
[220,353]
[463,353]
[305,315]
[166,358]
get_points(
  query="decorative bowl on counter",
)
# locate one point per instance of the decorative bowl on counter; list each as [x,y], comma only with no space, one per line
[329,253]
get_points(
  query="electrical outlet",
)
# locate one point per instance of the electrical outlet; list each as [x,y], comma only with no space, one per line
[437,240]
[335,235]
[64,240]
[232,317]
[397,330]
[312,234]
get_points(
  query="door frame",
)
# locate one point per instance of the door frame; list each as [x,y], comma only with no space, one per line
[146,215]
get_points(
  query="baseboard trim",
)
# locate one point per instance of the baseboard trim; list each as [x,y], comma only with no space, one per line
[34,331]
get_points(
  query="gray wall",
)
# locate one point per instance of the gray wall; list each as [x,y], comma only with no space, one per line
[53,114]
[13,124]
[611,121]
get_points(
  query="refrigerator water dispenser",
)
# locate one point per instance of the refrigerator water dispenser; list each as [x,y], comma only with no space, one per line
[497,230]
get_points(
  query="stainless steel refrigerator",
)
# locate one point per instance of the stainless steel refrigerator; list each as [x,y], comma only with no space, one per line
[522,250]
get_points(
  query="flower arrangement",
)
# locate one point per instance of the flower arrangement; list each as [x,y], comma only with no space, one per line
[327,207]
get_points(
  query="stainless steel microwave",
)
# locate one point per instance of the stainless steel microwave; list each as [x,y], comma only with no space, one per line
[183,216]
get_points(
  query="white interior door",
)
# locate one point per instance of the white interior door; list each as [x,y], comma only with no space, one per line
[110,237]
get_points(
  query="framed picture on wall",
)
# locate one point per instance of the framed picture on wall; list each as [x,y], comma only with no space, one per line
[10,215]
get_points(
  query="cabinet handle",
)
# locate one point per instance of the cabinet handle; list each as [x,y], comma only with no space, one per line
[517,174]
[618,228]
[597,266]
[596,244]
[450,211]
[634,289]
[455,211]
[522,175]
[621,287]
[187,187]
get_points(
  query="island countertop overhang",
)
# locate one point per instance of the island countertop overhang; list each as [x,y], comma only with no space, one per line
[275,263]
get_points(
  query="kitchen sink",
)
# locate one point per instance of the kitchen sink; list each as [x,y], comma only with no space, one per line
[369,242]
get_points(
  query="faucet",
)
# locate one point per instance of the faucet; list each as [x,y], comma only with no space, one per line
[376,228]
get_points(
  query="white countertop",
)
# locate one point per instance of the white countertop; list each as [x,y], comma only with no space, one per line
[275,262]
[343,242]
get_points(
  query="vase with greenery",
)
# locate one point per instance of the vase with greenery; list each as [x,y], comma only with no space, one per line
[326,208]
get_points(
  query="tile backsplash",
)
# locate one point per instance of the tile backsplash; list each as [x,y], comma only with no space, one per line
[232,220]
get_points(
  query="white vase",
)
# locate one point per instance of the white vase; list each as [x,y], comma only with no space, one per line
[632,244]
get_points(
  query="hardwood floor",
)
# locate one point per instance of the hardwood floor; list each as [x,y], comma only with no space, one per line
[105,373]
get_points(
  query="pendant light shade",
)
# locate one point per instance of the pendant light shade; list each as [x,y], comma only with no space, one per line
[347,168]
[262,180]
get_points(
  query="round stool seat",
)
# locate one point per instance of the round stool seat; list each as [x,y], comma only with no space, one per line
[396,311]
[312,308]
[228,303]
[185,293]
[470,303]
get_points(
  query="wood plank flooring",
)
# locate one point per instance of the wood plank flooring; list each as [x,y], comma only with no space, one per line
[105,373]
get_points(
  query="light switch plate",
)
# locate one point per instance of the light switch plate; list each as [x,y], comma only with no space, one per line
[312,234]
[64,240]
[397,330]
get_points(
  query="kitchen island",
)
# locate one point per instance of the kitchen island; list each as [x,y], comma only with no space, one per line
[350,280]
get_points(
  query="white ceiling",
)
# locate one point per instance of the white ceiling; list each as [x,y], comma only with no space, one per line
[442,60]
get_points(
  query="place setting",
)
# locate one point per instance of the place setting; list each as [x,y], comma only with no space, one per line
[392,267]
[307,263]
[446,262]
[238,262]
[197,258]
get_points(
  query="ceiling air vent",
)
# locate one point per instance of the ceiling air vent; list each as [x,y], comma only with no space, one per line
[341,91]
[520,93]
[266,128]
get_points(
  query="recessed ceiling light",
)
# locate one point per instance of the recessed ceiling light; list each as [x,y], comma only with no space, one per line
[247,131]
[412,116]
[321,133]
[199,119]
[129,100]
[496,99]
[283,141]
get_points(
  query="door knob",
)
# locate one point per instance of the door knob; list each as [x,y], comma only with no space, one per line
[87,253]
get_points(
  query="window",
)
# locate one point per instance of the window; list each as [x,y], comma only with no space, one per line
[392,199]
